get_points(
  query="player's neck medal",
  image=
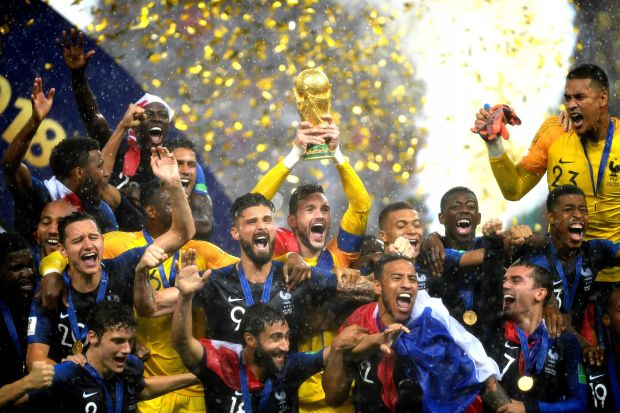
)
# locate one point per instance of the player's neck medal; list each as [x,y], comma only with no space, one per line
[77,347]
[470,317]
[525,383]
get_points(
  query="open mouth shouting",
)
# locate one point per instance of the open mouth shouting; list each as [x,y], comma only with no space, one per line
[575,232]
[89,259]
[463,226]
[577,119]
[318,231]
[261,242]
[404,303]
[185,182]
[509,300]
[156,134]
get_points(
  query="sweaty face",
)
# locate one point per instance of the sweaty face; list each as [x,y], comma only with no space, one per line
[585,103]
[569,221]
[311,222]
[155,126]
[113,348]
[460,217]
[520,294]
[94,179]
[272,346]
[186,159]
[83,247]
[47,229]
[162,209]
[398,287]
[256,233]
[16,271]
[403,223]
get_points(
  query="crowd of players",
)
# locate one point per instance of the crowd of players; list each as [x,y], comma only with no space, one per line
[135,310]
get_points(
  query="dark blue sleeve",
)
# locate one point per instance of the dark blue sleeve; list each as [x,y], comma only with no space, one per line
[300,366]
[491,301]
[134,373]
[121,273]
[28,205]
[106,218]
[603,253]
[323,281]
[575,393]
[451,263]
[40,327]
[64,377]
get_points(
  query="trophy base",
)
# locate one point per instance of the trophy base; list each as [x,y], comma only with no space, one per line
[316,152]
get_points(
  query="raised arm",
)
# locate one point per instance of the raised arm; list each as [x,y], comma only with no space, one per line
[182,229]
[76,60]
[189,282]
[144,296]
[271,182]
[16,173]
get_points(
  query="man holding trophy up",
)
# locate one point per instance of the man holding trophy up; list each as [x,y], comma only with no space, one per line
[309,212]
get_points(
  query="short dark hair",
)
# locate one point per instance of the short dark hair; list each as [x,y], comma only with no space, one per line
[76,216]
[449,192]
[12,242]
[109,315]
[589,71]
[396,206]
[386,259]
[71,153]
[541,275]
[300,193]
[248,201]
[558,192]
[181,142]
[258,317]
[150,192]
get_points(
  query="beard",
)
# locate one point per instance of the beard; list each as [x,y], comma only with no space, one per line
[264,360]
[258,259]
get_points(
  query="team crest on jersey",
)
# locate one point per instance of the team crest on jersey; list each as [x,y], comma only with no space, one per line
[614,168]
[287,302]
[586,275]
[285,295]
[551,362]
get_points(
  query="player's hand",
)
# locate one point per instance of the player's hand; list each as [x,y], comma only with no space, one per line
[73,50]
[164,165]
[152,257]
[565,120]
[41,376]
[296,271]
[189,280]
[593,355]
[331,133]
[389,336]
[433,254]
[512,407]
[349,337]
[402,246]
[347,277]
[554,320]
[41,104]
[492,228]
[79,359]
[307,134]
[482,117]
[51,292]
[132,117]
[519,234]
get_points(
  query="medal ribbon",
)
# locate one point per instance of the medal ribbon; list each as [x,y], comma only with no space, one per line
[601,168]
[10,325]
[569,293]
[168,282]
[75,329]
[247,293]
[247,400]
[534,358]
[108,398]
[326,261]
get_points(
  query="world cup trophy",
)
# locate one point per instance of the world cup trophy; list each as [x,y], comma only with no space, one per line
[313,94]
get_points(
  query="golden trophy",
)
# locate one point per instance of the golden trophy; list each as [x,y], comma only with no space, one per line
[313,94]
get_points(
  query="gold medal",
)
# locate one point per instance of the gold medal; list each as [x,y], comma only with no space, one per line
[525,383]
[77,347]
[470,317]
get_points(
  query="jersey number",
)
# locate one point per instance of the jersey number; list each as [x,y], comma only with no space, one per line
[65,333]
[510,361]
[240,407]
[236,314]
[599,394]
[90,407]
[557,171]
